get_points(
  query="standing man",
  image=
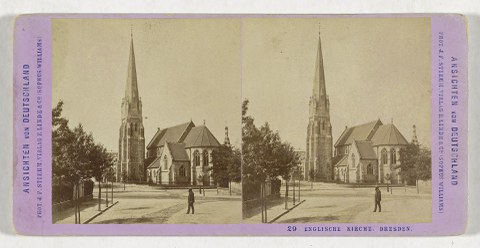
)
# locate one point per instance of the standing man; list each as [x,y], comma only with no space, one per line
[378,198]
[191,200]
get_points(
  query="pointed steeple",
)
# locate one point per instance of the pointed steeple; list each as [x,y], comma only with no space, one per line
[319,80]
[131,102]
[131,153]
[227,139]
[131,87]
[414,137]
[319,146]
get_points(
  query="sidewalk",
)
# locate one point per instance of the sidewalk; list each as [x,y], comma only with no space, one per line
[275,209]
[88,210]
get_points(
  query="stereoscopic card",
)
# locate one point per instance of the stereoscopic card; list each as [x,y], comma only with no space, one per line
[272,125]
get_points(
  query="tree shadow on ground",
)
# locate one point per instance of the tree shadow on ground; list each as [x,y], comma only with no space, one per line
[258,210]
[70,211]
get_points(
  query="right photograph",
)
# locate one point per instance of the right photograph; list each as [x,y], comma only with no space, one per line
[336,120]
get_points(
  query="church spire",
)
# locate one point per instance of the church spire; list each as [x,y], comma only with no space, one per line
[319,80]
[227,139]
[131,88]
[414,137]
[131,145]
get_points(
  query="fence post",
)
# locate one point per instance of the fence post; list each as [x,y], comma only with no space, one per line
[75,202]
[99,196]
[299,189]
[261,202]
[286,194]
[265,202]
[293,187]
[106,194]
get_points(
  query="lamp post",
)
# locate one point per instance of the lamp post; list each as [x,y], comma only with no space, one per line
[299,186]
[112,173]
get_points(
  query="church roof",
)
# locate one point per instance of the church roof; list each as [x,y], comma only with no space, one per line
[388,135]
[131,88]
[171,134]
[360,132]
[319,78]
[340,161]
[178,152]
[200,137]
[365,149]
[154,164]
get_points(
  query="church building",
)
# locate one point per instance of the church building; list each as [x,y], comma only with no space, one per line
[318,158]
[182,155]
[131,150]
[369,153]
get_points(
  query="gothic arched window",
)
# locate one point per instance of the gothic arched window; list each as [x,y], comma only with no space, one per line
[196,158]
[384,156]
[205,158]
[181,171]
[393,156]
[369,169]
[165,161]
[353,160]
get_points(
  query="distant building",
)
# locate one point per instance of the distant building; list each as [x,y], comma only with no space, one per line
[181,154]
[369,153]
[131,143]
[319,131]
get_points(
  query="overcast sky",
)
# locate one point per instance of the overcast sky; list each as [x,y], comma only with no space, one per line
[374,68]
[186,69]
[201,69]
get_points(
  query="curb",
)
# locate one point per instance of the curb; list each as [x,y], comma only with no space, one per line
[99,213]
[284,213]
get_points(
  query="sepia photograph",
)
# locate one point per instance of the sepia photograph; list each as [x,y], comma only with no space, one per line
[146,121]
[241,120]
[336,120]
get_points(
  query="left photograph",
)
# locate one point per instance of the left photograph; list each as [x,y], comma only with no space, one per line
[146,121]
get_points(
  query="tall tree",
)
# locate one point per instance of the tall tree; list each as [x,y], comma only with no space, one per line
[415,163]
[263,152]
[221,158]
[75,155]
[235,168]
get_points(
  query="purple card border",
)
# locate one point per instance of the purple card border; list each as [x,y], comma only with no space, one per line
[452,220]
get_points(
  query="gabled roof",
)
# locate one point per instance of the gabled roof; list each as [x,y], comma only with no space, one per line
[154,164]
[388,135]
[365,149]
[178,152]
[360,132]
[340,161]
[171,134]
[200,137]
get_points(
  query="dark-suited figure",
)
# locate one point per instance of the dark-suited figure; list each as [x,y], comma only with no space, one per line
[191,200]
[378,199]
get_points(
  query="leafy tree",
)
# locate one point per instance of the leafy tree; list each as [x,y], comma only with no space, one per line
[227,166]
[222,158]
[424,164]
[415,163]
[235,168]
[264,154]
[75,155]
